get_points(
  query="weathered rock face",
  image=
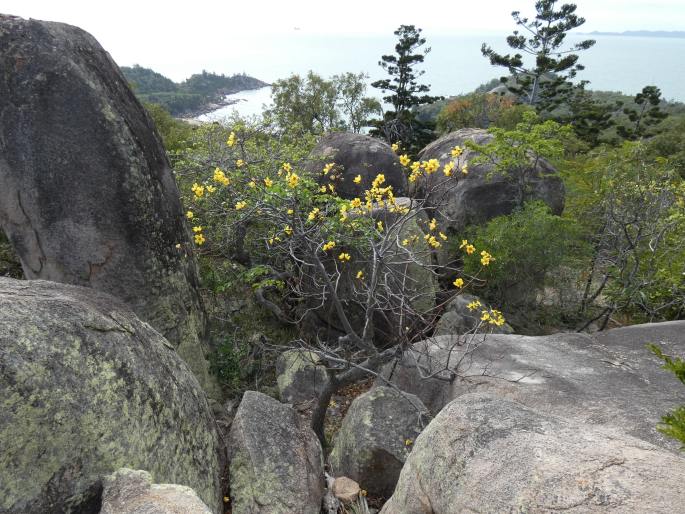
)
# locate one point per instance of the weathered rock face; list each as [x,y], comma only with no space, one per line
[276,463]
[609,378]
[87,388]
[487,454]
[356,154]
[376,437]
[86,192]
[300,376]
[477,198]
[459,319]
[129,491]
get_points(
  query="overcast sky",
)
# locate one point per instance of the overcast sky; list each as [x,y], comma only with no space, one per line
[137,31]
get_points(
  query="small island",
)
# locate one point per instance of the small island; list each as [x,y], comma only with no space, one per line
[641,33]
[198,94]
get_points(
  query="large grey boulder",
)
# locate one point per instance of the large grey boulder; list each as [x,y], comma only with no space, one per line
[458,318]
[376,437]
[609,378]
[356,154]
[480,195]
[301,378]
[276,462]
[487,454]
[88,388]
[87,196]
[129,491]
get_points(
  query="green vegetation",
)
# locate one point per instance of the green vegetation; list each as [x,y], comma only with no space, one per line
[400,125]
[192,95]
[673,423]
[9,263]
[315,105]
[544,83]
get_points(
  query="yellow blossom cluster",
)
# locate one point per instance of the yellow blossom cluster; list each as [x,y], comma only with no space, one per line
[404,160]
[431,166]
[292,179]
[287,167]
[344,257]
[395,147]
[485,258]
[468,248]
[231,139]
[410,240]
[190,215]
[198,190]
[458,282]
[288,230]
[457,151]
[314,214]
[199,237]
[328,246]
[240,163]
[360,275]
[447,169]
[357,179]
[327,168]
[432,241]
[240,205]
[220,177]
[268,182]
[492,317]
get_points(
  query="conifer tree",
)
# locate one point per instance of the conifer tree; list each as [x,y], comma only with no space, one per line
[546,83]
[400,125]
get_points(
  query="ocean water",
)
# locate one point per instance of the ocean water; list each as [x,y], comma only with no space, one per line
[454,65]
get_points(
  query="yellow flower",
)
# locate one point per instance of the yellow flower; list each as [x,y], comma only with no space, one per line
[199,239]
[470,249]
[268,182]
[485,315]
[198,190]
[344,257]
[357,179]
[459,282]
[240,163]
[226,498]
[292,180]
[360,275]
[363,492]
[211,189]
[189,215]
[431,166]
[327,168]
[395,147]
[378,181]
[240,205]
[464,242]
[356,203]
[313,214]
[290,211]
[220,177]
[331,188]
[404,160]
[288,230]
[231,139]
[197,229]
[287,167]
[379,226]
[442,236]
[252,184]
[473,305]
[465,169]
[485,258]
[457,151]
[433,224]
[447,170]
[408,442]
[322,189]
[178,246]
[328,246]
[432,241]
[405,242]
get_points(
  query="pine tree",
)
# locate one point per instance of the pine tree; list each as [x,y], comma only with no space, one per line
[400,125]
[647,115]
[546,84]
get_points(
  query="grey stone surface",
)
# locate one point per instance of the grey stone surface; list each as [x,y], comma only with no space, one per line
[276,463]
[488,454]
[459,319]
[476,198]
[376,437]
[87,196]
[301,378]
[88,388]
[609,378]
[128,491]
[356,154]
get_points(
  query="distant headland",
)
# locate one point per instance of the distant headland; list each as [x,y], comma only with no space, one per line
[640,33]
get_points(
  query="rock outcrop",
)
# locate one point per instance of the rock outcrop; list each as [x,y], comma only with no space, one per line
[481,194]
[301,378]
[129,491]
[459,319]
[608,378]
[376,437]
[276,462]
[356,154]
[87,196]
[88,388]
[487,454]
